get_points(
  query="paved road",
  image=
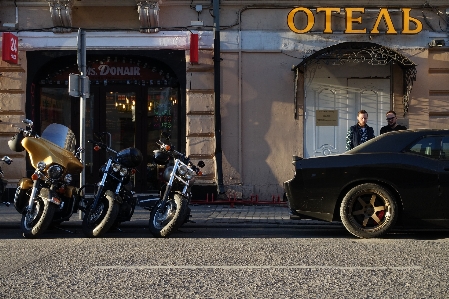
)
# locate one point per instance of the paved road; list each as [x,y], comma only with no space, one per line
[241,252]
[224,262]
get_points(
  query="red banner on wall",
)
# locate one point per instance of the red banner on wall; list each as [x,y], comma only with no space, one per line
[10,47]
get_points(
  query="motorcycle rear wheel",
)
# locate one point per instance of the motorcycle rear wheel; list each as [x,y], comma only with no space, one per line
[99,221]
[166,218]
[35,222]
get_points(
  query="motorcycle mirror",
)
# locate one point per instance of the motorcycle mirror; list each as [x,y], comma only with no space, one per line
[201,164]
[98,136]
[7,160]
[27,122]
[166,135]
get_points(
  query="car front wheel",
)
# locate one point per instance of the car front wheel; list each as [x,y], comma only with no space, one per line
[368,210]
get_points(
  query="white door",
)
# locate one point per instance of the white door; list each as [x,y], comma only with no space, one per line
[372,95]
[345,97]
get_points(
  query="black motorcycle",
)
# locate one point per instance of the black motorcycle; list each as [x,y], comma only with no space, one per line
[172,209]
[3,182]
[112,202]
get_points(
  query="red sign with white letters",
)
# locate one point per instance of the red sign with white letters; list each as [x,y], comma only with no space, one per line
[10,47]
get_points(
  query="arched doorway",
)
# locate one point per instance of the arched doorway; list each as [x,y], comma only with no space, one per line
[132,97]
[336,82]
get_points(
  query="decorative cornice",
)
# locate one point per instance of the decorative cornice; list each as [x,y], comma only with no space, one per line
[61,15]
[148,16]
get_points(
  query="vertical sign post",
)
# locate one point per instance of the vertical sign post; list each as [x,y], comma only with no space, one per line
[81,60]
[10,47]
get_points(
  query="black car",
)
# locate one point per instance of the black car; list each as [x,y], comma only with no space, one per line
[400,177]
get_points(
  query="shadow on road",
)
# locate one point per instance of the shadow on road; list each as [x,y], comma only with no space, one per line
[234,232]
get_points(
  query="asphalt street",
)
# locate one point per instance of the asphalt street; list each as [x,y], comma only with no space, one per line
[224,262]
[228,252]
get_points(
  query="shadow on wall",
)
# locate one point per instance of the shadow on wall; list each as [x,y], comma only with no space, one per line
[269,133]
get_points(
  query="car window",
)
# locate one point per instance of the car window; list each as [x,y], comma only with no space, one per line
[428,146]
[445,148]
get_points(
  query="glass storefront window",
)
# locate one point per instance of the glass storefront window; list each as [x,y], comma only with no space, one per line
[121,119]
[162,105]
[55,102]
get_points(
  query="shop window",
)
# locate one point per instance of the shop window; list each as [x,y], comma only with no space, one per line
[55,102]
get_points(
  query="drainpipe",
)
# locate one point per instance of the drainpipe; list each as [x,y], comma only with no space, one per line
[217,92]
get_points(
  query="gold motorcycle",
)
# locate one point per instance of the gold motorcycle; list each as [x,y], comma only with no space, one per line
[47,197]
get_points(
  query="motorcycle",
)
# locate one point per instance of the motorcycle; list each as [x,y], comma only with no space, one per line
[172,209]
[112,202]
[3,182]
[47,197]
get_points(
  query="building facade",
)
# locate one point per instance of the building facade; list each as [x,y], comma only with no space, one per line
[292,76]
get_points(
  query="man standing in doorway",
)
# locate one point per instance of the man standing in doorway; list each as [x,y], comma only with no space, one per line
[392,125]
[360,132]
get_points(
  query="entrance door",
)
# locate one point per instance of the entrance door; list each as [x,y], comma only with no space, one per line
[132,97]
[372,95]
[335,93]
[134,116]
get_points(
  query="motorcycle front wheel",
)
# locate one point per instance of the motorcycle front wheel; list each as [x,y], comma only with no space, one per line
[99,220]
[166,217]
[35,222]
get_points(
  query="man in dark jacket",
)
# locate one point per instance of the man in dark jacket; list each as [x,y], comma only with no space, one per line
[392,125]
[360,132]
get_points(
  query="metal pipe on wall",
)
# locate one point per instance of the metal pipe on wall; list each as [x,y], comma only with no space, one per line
[217,91]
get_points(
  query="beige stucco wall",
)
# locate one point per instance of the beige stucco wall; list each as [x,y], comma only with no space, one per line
[438,74]
[12,111]
[269,134]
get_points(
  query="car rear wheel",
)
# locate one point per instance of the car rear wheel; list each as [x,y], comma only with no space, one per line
[368,210]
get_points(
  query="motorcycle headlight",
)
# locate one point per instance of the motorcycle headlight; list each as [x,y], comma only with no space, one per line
[116,167]
[123,171]
[55,171]
[41,165]
[190,174]
[68,178]
[182,170]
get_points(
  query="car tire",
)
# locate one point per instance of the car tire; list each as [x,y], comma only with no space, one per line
[368,210]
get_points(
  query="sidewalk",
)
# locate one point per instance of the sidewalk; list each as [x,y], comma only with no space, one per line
[202,216]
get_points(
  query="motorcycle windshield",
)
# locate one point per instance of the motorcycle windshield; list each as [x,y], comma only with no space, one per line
[61,136]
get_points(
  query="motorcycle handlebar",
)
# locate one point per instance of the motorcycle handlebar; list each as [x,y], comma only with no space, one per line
[172,152]
[28,132]
[102,146]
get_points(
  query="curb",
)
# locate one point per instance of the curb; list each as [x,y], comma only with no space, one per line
[243,225]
